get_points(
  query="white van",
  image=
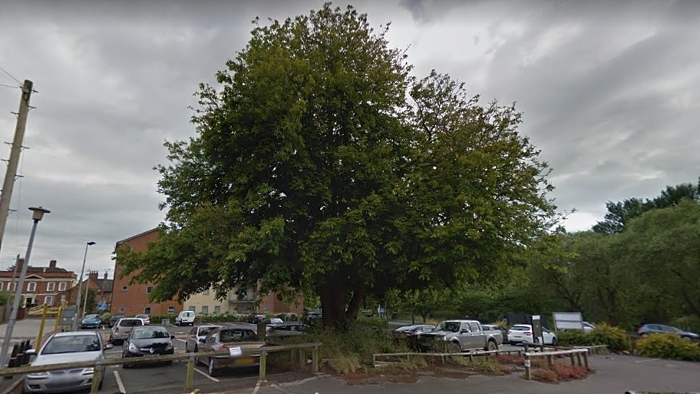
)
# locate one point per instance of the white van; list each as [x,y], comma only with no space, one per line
[185,318]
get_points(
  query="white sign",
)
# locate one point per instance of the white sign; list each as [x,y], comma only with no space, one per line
[568,320]
[527,363]
[235,351]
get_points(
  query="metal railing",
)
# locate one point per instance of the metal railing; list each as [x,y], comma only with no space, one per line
[98,366]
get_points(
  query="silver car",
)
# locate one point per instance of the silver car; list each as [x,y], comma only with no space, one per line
[196,335]
[65,347]
[122,328]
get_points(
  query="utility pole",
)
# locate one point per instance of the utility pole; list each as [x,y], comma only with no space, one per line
[9,183]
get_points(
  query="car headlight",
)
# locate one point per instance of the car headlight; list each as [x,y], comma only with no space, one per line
[133,348]
[88,371]
[37,375]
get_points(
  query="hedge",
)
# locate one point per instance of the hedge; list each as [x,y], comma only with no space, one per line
[669,346]
[614,337]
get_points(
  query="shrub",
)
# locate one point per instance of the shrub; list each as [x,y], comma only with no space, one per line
[544,375]
[575,338]
[569,372]
[614,337]
[669,346]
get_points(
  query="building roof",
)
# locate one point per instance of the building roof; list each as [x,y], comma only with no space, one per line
[44,272]
[107,285]
[136,236]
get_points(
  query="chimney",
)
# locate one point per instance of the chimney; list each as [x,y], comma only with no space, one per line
[93,276]
[105,277]
[52,264]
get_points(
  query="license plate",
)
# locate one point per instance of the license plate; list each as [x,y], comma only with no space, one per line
[245,361]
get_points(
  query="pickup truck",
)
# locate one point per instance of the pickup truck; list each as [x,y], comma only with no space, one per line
[456,336]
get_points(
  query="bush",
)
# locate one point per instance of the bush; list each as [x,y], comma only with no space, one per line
[669,346]
[614,337]
[687,323]
[105,317]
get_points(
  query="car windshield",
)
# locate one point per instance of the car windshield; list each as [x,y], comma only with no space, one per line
[204,331]
[91,316]
[238,335]
[72,344]
[130,322]
[149,332]
[142,316]
[449,326]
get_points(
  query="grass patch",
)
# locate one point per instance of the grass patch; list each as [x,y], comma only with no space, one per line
[559,372]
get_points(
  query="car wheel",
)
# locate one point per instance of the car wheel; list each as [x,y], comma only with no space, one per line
[491,346]
[454,348]
[213,372]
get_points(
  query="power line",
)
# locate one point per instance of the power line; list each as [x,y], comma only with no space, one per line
[11,76]
[2,85]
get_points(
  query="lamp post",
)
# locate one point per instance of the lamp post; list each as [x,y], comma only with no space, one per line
[80,288]
[37,215]
[87,287]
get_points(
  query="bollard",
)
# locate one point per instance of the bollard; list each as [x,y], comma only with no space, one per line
[20,355]
[13,358]
[97,377]
[189,382]
[528,370]
[263,366]
[25,358]
[314,358]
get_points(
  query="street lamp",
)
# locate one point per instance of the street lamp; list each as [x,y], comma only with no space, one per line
[37,215]
[86,296]
[80,288]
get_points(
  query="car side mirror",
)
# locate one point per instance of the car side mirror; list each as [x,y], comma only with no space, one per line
[108,346]
[30,352]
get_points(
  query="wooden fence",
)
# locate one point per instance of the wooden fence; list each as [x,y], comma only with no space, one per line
[190,357]
[574,354]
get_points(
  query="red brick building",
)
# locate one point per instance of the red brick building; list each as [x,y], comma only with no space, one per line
[42,285]
[102,287]
[131,299]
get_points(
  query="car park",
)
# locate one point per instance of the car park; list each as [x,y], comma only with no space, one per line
[122,328]
[239,339]
[146,341]
[65,347]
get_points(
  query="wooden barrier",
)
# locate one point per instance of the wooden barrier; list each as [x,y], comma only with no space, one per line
[190,357]
[550,358]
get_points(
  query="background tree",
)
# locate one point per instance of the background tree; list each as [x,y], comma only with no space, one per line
[312,169]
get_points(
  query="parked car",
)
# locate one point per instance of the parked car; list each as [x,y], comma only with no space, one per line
[459,335]
[647,329]
[146,341]
[255,318]
[65,347]
[239,339]
[196,334]
[588,326]
[522,333]
[91,321]
[146,318]
[311,318]
[114,319]
[410,333]
[495,327]
[285,330]
[122,328]
[185,318]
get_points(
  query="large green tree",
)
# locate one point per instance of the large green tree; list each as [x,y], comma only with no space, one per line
[320,163]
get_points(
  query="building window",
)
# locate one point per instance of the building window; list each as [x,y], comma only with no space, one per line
[61,286]
[48,300]
[13,286]
[149,289]
[193,308]
[51,286]
[31,287]
[171,310]
[205,292]
[217,309]
[122,309]
[147,310]
[125,288]
[205,309]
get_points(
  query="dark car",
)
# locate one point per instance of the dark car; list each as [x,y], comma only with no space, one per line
[114,319]
[647,329]
[148,341]
[255,318]
[411,333]
[311,318]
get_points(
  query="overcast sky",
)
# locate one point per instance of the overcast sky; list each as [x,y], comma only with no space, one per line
[609,90]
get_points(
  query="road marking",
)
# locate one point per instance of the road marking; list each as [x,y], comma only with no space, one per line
[646,361]
[181,340]
[119,382]
[206,375]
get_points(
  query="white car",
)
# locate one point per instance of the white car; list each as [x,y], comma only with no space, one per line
[521,333]
[146,319]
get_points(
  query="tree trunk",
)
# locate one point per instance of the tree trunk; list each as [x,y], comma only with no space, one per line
[333,305]
[358,296]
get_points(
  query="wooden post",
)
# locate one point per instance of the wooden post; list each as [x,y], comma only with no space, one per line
[528,369]
[189,380]
[263,366]
[97,377]
[315,358]
[578,359]
[585,359]
[573,361]
[58,319]
[39,337]
[550,361]
[302,358]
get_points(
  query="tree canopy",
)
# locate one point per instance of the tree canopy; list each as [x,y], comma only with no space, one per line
[321,163]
